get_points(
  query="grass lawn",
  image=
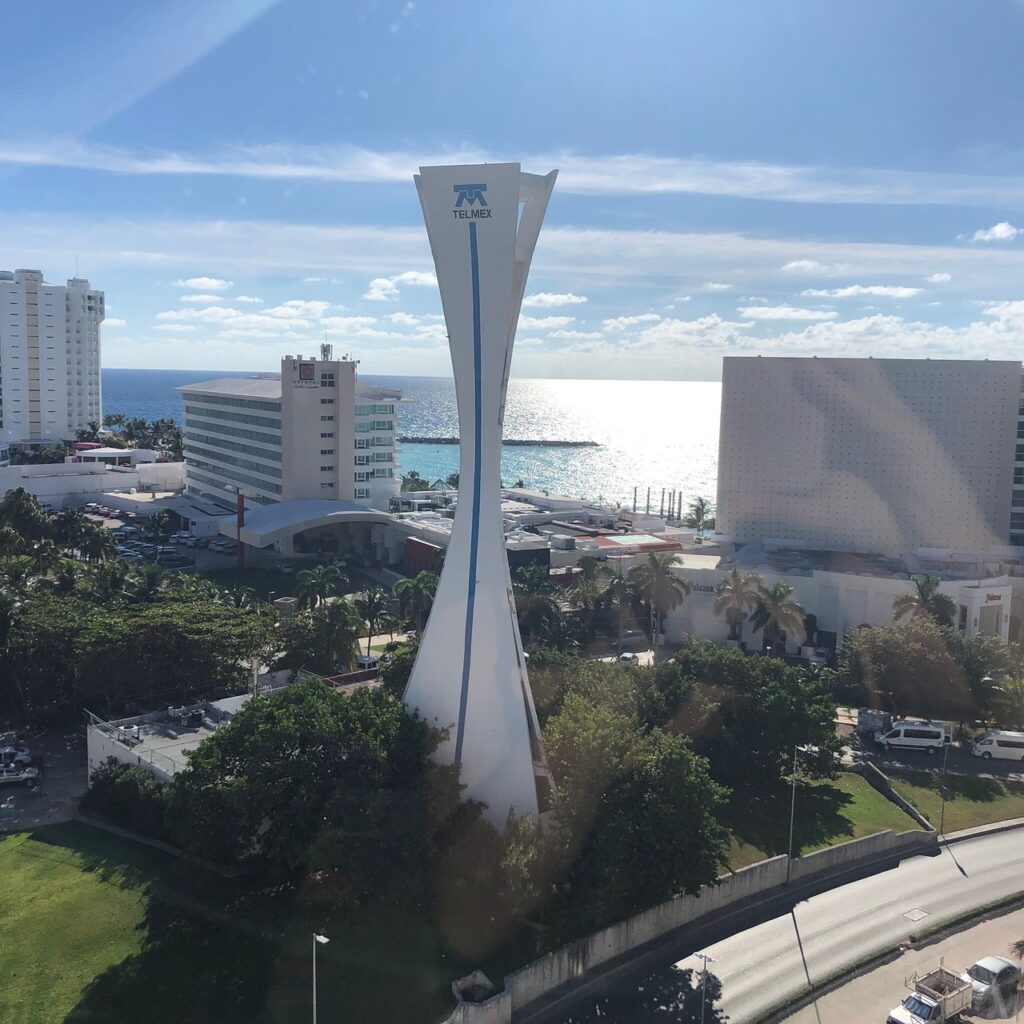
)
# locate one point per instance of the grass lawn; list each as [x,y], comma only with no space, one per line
[827,813]
[96,928]
[970,801]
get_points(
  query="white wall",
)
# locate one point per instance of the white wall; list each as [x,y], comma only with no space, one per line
[884,455]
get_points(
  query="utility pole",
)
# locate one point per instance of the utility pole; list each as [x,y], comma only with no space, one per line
[942,787]
[704,982]
[634,500]
[648,501]
[792,819]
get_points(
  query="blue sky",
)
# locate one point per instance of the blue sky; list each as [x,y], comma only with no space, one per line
[736,176]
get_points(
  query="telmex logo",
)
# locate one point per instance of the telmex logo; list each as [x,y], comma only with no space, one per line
[470,195]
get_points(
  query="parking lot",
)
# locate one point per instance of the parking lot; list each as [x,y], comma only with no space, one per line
[63,778]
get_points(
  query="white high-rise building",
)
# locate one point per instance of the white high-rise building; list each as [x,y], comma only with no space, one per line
[314,431]
[871,455]
[49,357]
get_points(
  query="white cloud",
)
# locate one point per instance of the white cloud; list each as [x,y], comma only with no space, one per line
[252,299]
[884,291]
[581,174]
[176,328]
[714,286]
[113,321]
[804,267]
[1004,231]
[681,298]
[299,308]
[385,289]
[314,280]
[785,312]
[576,335]
[348,323]
[547,300]
[620,323]
[544,322]
[205,299]
[205,284]
[939,278]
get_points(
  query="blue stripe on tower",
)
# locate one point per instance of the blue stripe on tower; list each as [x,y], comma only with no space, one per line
[474,536]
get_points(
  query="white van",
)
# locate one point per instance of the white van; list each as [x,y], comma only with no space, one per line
[999,744]
[926,736]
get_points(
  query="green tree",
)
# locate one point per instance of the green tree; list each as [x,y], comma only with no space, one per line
[586,594]
[69,526]
[906,668]
[160,525]
[338,627]
[699,513]
[315,586]
[777,613]
[21,511]
[736,595]
[926,600]
[45,555]
[373,605]
[415,597]
[11,542]
[452,480]
[146,582]
[660,589]
[96,544]
[397,666]
[412,481]
[300,767]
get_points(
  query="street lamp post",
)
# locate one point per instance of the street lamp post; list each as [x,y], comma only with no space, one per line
[704,982]
[320,940]
[792,820]
[942,789]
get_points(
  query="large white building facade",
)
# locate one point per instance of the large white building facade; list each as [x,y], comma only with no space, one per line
[49,357]
[313,432]
[871,455]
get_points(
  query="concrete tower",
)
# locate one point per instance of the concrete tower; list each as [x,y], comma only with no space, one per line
[470,675]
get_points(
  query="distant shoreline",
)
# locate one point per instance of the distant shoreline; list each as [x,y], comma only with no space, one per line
[517,442]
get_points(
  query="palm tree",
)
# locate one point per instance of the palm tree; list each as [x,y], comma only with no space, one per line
[737,595]
[242,598]
[619,593]
[698,513]
[69,526]
[776,613]
[585,595]
[10,542]
[146,582]
[926,600]
[532,579]
[18,574]
[373,606]
[96,544]
[416,597]
[540,619]
[45,555]
[659,588]
[338,628]
[314,586]
[21,510]
[160,524]
[65,579]
[109,581]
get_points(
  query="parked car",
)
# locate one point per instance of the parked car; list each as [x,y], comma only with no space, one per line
[15,754]
[1009,745]
[938,996]
[629,658]
[994,982]
[18,773]
[926,736]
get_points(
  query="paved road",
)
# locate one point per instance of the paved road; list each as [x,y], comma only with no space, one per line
[871,996]
[768,965]
[958,762]
[771,964]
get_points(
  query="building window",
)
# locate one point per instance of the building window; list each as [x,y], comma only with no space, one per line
[326,451]
[327,380]
[326,419]
[362,476]
[362,492]
[327,401]
[326,469]
[327,486]
[326,435]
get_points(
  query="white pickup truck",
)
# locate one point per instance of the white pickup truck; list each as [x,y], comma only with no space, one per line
[935,997]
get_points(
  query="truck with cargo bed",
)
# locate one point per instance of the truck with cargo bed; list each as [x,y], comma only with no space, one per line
[935,997]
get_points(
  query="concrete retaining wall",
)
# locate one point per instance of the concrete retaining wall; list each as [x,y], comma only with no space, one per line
[571,962]
[877,779]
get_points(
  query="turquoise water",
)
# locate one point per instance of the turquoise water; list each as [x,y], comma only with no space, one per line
[657,434]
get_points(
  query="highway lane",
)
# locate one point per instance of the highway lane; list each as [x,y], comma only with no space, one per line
[769,965]
[774,963]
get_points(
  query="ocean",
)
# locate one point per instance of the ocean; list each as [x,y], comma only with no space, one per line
[657,434]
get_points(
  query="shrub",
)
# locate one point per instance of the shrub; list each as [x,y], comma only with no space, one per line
[128,796]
